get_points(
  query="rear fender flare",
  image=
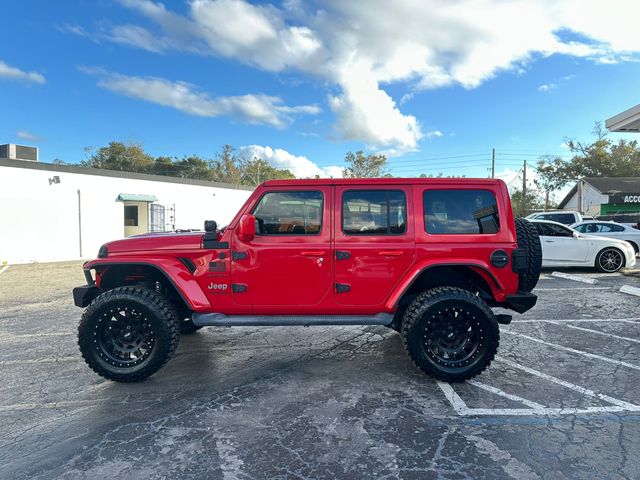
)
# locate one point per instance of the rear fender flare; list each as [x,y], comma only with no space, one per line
[477,266]
[172,269]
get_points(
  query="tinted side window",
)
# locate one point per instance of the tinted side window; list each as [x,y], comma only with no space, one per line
[605,227]
[289,213]
[582,228]
[460,212]
[557,230]
[566,218]
[374,212]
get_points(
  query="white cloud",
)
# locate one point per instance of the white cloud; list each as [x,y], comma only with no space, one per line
[361,47]
[556,84]
[434,134]
[300,166]
[13,73]
[136,36]
[28,136]
[366,113]
[252,108]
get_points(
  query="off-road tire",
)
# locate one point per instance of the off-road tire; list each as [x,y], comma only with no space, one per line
[529,240]
[160,323]
[609,251]
[187,326]
[431,308]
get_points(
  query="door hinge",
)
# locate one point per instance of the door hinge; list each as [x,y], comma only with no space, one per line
[343,287]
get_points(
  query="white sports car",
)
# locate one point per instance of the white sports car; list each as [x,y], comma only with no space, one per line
[563,246]
[619,231]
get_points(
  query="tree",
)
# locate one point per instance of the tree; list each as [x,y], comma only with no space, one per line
[360,165]
[227,166]
[193,167]
[440,175]
[258,170]
[525,203]
[602,158]
[128,157]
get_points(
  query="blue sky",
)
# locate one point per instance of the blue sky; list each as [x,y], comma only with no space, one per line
[435,87]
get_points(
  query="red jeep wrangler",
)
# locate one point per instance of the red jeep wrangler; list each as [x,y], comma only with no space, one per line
[426,257]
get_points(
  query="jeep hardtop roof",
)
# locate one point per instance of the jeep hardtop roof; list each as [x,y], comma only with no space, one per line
[381,181]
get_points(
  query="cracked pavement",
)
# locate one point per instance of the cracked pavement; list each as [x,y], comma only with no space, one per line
[323,402]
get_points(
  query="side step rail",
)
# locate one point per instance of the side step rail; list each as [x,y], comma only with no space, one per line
[221,320]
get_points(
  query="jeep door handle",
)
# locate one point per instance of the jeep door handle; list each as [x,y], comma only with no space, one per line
[549,241]
[313,254]
[391,253]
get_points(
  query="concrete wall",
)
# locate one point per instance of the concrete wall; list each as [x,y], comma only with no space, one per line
[40,222]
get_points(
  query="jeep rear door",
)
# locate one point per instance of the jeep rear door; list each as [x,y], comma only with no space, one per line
[373,242]
[288,262]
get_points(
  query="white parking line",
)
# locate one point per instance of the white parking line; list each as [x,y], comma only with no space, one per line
[619,363]
[598,332]
[569,385]
[570,288]
[632,320]
[630,290]
[575,278]
[461,408]
[454,399]
[500,393]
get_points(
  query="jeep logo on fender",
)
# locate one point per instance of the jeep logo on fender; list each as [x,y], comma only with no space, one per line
[218,287]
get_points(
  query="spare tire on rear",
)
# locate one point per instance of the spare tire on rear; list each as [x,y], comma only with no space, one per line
[529,241]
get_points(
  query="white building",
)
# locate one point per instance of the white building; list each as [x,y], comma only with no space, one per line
[61,212]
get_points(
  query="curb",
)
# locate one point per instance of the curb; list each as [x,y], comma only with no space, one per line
[575,278]
[630,290]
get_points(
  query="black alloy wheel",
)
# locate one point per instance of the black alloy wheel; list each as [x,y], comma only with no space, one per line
[450,333]
[453,336]
[124,336]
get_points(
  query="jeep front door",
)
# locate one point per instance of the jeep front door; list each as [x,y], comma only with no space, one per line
[288,262]
[374,242]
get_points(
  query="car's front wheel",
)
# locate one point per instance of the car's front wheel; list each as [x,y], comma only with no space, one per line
[450,334]
[128,333]
[610,260]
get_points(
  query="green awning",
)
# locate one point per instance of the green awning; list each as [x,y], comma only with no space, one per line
[136,197]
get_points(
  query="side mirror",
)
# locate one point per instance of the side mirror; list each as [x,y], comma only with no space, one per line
[210,226]
[576,235]
[246,229]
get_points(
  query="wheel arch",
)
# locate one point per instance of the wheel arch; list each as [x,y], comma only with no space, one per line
[472,277]
[171,273]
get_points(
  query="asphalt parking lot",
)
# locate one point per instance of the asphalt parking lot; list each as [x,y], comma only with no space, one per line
[562,400]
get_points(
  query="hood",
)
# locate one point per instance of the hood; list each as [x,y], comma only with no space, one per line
[157,241]
[608,240]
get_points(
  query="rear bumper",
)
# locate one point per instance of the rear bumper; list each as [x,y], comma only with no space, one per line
[521,302]
[82,296]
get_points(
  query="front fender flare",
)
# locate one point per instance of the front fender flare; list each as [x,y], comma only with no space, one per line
[171,268]
[477,266]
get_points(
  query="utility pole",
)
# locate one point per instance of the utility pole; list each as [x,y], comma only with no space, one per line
[493,163]
[524,189]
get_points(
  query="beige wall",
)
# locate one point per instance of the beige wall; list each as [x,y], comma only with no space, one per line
[143,219]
